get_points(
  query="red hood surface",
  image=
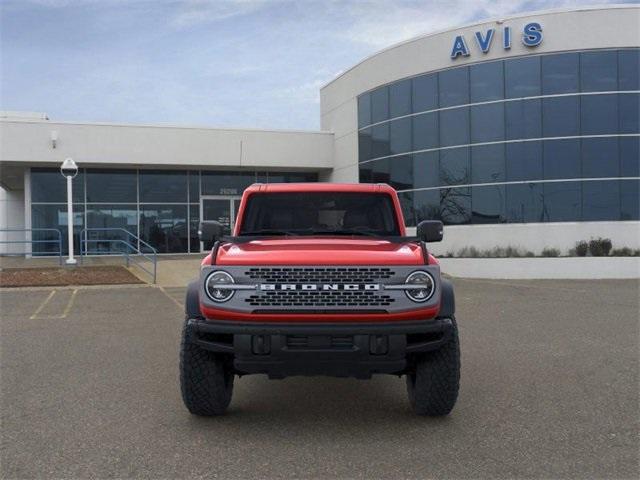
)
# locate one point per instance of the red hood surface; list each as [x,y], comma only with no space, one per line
[319,251]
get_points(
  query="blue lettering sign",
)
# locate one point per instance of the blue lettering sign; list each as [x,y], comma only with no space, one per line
[532,35]
[485,42]
[506,38]
[459,48]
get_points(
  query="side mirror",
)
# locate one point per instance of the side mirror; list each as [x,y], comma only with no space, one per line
[430,231]
[210,232]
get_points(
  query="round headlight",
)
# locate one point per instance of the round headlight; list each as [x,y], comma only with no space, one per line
[422,286]
[214,286]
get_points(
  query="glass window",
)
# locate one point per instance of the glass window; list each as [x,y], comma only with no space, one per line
[599,71]
[365,172]
[455,167]
[226,183]
[629,112]
[454,87]
[455,205]
[560,116]
[165,227]
[600,157]
[560,73]
[115,218]
[488,204]
[487,123]
[454,127]
[48,185]
[599,114]
[400,135]
[380,140]
[401,172]
[629,156]
[522,77]
[629,200]
[426,169]
[524,203]
[487,81]
[426,204]
[523,119]
[425,131]
[365,145]
[487,164]
[425,92]
[380,105]
[194,186]
[561,159]
[364,110]
[111,186]
[562,201]
[54,216]
[629,69]
[400,98]
[406,203]
[194,224]
[523,161]
[163,186]
[381,171]
[601,200]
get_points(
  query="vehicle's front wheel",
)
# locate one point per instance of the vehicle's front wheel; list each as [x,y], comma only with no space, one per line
[206,379]
[433,385]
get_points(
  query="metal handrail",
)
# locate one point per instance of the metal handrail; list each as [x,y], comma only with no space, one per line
[32,241]
[150,256]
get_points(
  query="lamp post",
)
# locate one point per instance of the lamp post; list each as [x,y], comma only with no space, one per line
[69,170]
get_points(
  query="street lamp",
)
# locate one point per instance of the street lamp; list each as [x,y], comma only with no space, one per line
[69,170]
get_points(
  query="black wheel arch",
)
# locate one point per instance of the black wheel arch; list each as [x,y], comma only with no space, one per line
[448,300]
[192,300]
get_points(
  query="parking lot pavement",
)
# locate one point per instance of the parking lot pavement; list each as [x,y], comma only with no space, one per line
[549,389]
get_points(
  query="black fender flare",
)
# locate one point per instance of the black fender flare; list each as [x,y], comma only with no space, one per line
[192,301]
[447,300]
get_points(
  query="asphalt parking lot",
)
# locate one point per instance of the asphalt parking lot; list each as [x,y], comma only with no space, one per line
[549,390]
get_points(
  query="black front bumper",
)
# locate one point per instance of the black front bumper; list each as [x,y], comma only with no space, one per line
[340,350]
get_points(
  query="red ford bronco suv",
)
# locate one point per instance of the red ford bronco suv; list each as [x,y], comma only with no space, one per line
[320,279]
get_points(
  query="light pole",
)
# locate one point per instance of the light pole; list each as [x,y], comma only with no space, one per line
[69,170]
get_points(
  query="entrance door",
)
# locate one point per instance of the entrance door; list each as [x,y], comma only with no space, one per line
[221,209]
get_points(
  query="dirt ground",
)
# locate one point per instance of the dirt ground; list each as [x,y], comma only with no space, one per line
[62,276]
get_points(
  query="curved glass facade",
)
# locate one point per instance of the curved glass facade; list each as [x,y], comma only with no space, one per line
[545,138]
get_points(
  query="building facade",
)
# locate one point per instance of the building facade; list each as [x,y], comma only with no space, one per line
[514,132]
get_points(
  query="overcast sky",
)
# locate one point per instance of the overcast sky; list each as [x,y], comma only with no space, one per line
[235,63]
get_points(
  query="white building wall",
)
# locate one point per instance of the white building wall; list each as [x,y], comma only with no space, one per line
[11,217]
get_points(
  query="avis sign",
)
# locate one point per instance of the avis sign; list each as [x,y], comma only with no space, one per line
[531,37]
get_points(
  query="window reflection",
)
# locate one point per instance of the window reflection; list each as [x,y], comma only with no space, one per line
[400,98]
[560,73]
[455,205]
[488,204]
[48,185]
[380,105]
[455,167]
[562,201]
[163,186]
[487,81]
[599,71]
[111,220]
[524,203]
[424,91]
[454,87]
[165,227]
[601,200]
[54,216]
[522,77]
[110,186]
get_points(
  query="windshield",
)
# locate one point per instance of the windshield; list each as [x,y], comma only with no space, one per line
[318,213]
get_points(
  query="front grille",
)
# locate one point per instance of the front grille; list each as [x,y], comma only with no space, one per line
[333,299]
[319,274]
[339,298]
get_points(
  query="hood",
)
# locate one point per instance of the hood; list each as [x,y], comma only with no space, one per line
[320,251]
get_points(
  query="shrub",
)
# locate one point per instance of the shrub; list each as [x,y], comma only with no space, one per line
[625,252]
[600,247]
[581,248]
[550,252]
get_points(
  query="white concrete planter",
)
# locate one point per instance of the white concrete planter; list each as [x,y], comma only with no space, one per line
[540,268]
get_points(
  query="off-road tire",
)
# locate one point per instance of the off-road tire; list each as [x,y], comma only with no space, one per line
[433,386]
[206,379]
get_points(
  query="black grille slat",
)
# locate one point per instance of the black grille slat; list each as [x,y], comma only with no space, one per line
[320,298]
